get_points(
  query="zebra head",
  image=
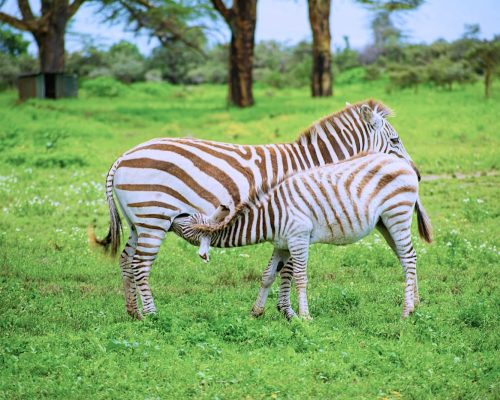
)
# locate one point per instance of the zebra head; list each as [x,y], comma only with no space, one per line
[185,227]
[216,218]
[385,139]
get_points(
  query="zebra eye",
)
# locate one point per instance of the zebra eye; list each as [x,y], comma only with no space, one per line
[395,140]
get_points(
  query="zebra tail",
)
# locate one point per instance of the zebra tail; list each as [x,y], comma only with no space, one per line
[113,238]
[424,223]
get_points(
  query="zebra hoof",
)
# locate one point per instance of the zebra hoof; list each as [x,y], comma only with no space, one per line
[257,311]
[135,314]
[287,312]
[407,312]
[306,317]
[290,316]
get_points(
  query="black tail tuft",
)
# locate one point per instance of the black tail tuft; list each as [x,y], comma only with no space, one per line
[113,238]
[424,223]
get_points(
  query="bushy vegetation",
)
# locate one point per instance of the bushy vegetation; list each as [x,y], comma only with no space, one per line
[14,58]
[64,332]
[389,58]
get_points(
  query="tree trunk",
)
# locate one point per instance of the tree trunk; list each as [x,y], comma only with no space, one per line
[50,40]
[488,73]
[319,15]
[242,24]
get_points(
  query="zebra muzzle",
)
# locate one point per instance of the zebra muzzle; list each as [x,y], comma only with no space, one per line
[204,249]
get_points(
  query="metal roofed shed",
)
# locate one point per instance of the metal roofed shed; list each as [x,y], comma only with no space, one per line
[47,86]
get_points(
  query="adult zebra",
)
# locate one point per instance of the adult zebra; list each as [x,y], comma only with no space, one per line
[163,179]
[337,203]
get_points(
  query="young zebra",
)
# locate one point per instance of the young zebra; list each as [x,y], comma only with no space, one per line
[160,180]
[337,204]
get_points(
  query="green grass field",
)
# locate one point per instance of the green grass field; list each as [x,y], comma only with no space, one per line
[64,332]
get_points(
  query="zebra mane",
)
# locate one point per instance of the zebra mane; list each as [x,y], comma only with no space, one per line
[260,194]
[377,106]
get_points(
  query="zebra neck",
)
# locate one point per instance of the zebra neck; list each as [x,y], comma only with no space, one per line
[248,227]
[331,141]
[326,142]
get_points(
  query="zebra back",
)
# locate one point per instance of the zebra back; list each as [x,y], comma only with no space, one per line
[348,196]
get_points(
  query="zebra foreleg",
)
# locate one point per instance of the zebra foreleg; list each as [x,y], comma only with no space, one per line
[278,259]
[299,252]
[129,286]
[284,305]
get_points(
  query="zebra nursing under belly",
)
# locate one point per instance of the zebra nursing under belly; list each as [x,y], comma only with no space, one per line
[160,180]
[337,204]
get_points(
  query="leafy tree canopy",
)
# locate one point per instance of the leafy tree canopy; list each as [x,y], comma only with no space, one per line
[12,43]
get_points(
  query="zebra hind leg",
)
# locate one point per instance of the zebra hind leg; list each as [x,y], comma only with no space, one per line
[400,232]
[129,286]
[148,246]
[276,262]
[387,236]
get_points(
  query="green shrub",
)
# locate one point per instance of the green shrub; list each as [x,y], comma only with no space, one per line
[408,77]
[372,72]
[153,75]
[103,87]
[128,70]
[126,62]
[99,72]
[444,73]
[351,76]
[272,78]
[9,70]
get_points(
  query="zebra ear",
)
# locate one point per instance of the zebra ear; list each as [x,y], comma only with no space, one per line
[367,114]
[219,214]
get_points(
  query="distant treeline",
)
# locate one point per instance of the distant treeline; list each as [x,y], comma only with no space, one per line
[402,65]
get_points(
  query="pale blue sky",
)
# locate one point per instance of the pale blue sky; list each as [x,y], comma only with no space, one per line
[286,20]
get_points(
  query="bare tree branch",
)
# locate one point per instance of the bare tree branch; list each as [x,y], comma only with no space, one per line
[24,7]
[73,7]
[17,23]
[145,3]
[223,10]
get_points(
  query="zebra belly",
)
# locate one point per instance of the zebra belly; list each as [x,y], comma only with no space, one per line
[340,234]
